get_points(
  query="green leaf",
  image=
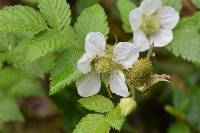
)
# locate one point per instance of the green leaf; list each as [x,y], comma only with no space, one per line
[2,58]
[38,67]
[11,76]
[189,103]
[92,19]
[56,12]
[186,39]
[26,88]
[18,83]
[196,3]
[65,70]
[70,35]
[21,19]
[97,103]
[177,4]
[124,7]
[176,112]
[42,45]
[179,128]
[115,119]
[193,108]
[82,4]
[9,110]
[92,123]
[7,41]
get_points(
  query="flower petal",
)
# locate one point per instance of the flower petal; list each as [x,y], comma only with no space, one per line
[135,18]
[126,54]
[89,85]
[161,38]
[150,6]
[168,17]
[95,43]
[118,84]
[141,40]
[84,63]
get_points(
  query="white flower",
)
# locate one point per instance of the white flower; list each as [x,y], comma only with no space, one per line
[152,23]
[96,62]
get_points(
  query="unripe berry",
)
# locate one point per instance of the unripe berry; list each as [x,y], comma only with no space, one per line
[140,73]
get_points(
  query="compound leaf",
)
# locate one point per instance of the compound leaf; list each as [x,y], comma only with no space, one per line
[92,19]
[21,19]
[92,123]
[97,103]
[56,12]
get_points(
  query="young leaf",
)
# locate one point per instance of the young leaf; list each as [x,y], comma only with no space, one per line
[115,119]
[56,12]
[124,7]
[44,44]
[92,123]
[97,103]
[196,3]
[186,39]
[92,19]
[9,110]
[21,19]
[65,70]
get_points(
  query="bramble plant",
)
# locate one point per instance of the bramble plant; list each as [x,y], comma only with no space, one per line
[34,43]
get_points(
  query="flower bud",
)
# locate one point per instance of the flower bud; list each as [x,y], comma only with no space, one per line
[140,73]
[127,105]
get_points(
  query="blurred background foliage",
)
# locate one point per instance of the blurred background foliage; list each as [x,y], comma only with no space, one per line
[166,108]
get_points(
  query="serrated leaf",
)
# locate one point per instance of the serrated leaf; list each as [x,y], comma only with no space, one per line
[38,67]
[9,111]
[43,44]
[115,119]
[92,123]
[177,4]
[56,12]
[21,19]
[70,35]
[65,70]
[92,19]
[196,3]
[97,103]
[7,41]
[124,7]
[186,39]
